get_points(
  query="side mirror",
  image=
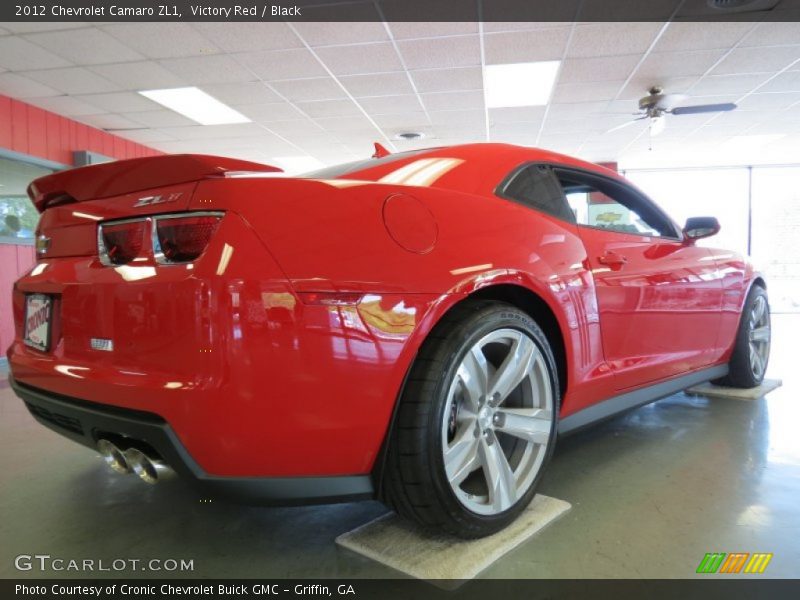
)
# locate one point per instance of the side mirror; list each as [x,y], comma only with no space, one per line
[701,227]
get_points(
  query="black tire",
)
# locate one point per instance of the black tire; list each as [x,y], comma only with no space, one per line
[415,481]
[742,373]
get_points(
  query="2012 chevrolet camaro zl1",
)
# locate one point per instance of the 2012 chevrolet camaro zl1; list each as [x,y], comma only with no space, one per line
[417,327]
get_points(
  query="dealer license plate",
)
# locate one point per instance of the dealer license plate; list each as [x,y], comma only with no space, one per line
[38,321]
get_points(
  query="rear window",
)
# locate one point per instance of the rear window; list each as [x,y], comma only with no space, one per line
[345,169]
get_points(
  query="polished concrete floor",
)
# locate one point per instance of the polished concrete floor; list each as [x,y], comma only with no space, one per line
[651,491]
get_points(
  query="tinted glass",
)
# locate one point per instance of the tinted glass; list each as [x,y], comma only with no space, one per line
[537,187]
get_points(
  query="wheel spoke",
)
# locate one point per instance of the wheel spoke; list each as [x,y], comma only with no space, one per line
[500,479]
[461,457]
[516,366]
[474,374]
[760,334]
[758,310]
[530,424]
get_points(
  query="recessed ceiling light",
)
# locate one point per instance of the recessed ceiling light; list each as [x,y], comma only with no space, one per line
[409,135]
[195,104]
[520,84]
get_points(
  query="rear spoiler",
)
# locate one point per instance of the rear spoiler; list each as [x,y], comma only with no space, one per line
[133,175]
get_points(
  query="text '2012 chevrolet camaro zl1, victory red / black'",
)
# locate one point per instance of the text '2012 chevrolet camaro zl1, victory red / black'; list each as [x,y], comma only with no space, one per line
[418,327]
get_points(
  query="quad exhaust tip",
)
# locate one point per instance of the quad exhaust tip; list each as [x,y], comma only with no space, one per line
[133,460]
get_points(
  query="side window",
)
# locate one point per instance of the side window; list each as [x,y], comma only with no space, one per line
[536,186]
[607,205]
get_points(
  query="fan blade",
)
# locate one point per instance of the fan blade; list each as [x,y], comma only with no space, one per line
[626,124]
[703,108]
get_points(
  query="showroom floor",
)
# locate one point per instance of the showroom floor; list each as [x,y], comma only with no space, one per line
[652,492]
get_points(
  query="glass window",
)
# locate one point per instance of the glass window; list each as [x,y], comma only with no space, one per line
[776,222]
[720,193]
[604,204]
[18,217]
[537,187]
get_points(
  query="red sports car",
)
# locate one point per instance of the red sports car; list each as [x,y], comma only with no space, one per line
[417,327]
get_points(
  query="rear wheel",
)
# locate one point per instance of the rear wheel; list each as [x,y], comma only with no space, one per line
[750,356]
[476,422]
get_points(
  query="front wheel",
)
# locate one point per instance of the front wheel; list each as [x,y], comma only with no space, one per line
[476,422]
[750,357]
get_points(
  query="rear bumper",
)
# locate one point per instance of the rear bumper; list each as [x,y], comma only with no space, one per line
[86,422]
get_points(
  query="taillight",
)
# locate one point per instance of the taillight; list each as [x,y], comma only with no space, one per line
[183,238]
[175,238]
[121,242]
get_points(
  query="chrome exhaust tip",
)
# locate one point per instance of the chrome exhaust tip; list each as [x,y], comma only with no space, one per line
[148,469]
[113,456]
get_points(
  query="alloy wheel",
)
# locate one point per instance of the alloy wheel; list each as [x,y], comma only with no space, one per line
[759,336]
[498,421]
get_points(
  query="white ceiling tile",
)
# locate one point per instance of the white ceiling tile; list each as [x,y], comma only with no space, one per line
[448,80]
[119,102]
[441,52]
[519,114]
[17,54]
[162,40]
[408,121]
[88,46]
[606,68]
[458,118]
[145,136]
[785,82]
[159,118]
[146,75]
[249,37]
[210,132]
[340,124]
[639,86]
[770,102]
[199,70]
[453,100]
[611,39]
[586,92]
[390,104]
[377,84]
[680,37]
[526,46]
[774,34]
[317,88]
[109,122]
[404,30]
[325,33]
[283,64]
[296,127]
[34,26]
[355,60]
[241,94]
[716,85]
[576,110]
[273,111]
[678,64]
[329,108]
[527,130]
[73,80]
[66,106]
[759,60]
[17,86]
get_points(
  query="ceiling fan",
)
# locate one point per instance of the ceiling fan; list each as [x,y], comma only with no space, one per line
[656,105]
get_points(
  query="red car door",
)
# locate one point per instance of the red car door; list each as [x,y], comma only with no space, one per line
[659,297]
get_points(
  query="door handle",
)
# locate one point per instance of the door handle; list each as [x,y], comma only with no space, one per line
[612,259]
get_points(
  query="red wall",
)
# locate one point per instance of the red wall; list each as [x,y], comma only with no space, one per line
[42,134]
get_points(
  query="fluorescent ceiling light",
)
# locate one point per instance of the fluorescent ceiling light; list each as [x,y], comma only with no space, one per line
[520,84]
[194,103]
